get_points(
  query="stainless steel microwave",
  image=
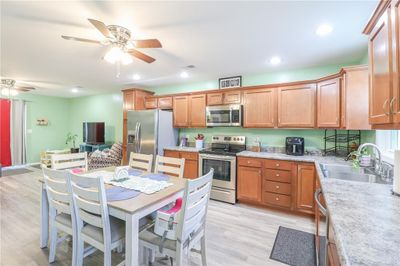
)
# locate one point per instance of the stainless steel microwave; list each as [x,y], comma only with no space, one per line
[224,115]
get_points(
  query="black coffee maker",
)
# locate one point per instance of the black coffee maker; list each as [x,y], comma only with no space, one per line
[295,146]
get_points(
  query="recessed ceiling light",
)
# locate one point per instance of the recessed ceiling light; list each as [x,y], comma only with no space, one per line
[275,60]
[136,76]
[184,74]
[74,90]
[324,30]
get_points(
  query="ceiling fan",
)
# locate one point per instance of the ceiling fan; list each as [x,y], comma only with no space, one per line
[8,88]
[123,47]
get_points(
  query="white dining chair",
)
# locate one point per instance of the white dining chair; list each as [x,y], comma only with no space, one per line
[62,214]
[69,161]
[93,223]
[191,226]
[141,161]
[170,166]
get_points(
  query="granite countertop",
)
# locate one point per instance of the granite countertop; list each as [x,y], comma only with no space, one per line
[179,148]
[365,216]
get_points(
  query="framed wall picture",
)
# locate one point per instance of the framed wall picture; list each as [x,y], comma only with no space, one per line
[230,82]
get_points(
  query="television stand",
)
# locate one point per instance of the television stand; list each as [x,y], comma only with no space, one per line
[84,147]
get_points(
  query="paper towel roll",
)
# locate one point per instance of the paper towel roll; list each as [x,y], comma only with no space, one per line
[396,175]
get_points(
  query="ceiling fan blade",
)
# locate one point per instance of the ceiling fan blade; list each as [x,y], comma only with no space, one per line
[100,26]
[24,88]
[141,56]
[150,43]
[71,38]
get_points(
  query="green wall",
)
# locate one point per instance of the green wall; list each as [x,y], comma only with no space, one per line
[99,108]
[52,136]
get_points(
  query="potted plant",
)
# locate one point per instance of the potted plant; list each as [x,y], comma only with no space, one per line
[362,159]
[72,138]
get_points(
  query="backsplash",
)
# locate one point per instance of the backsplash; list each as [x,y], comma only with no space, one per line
[271,138]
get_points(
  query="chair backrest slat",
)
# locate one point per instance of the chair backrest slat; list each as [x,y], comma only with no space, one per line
[168,165]
[89,206]
[86,193]
[58,193]
[69,161]
[195,204]
[141,161]
[90,218]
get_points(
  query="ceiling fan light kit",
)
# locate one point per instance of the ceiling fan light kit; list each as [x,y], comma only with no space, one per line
[8,88]
[122,46]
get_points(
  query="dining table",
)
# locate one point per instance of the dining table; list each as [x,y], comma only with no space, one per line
[129,210]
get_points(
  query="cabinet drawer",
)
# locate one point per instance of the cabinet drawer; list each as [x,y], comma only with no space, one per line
[278,175]
[276,199]
[189,155]
[173,154]
[250,162]
[277,187]
[278,164]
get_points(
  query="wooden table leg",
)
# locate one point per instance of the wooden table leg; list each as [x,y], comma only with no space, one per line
[44,218]
[132,240]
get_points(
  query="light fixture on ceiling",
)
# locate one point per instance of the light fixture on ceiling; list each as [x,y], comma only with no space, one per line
[323,30]
[184,74]
[74,90]
[117,55]
[7,92]
[276,60]
[136,77]
[8,88]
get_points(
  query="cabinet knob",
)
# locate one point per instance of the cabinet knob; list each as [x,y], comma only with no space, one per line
[277,187]
[277,175]
[276,198]
[277,165]
[248,162]
[259,171]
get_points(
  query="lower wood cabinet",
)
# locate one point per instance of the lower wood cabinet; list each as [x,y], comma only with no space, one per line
[191,170]
[282,184]
[249,183]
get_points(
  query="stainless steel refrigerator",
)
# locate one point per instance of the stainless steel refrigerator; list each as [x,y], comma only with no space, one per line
[150,131]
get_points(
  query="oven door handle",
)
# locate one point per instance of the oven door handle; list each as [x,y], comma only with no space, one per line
[218,157]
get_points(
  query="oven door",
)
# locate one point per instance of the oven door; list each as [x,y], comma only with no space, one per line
[224,169]
[218,116]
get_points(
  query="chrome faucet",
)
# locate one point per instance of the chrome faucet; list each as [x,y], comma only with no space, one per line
[378,165]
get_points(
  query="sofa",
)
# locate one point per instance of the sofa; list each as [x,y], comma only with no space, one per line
[106,158]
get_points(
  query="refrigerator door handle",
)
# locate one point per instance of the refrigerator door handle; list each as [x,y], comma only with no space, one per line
[136,137]
[139,138]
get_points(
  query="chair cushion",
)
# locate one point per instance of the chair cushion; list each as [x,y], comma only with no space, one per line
[64,219]
[150,237]
[117,228]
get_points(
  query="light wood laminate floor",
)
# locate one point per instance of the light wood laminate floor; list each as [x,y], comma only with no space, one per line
[237,235]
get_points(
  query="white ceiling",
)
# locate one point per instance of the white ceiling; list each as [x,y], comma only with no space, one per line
[219,38]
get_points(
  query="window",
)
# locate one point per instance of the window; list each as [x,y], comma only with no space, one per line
[388,141]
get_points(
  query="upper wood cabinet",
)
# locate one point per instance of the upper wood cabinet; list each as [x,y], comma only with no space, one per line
[197,110]
[218,98]
[384,42]
[259,108]
[296,106]
[151,102]
[165,102]
[305,186]
[355,98]
[189,110]
[328,103]
[181,111]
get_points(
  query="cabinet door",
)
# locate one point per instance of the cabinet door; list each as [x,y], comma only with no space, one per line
[197,110]
[259,108]
[181,111]
[128,102]
[381,86]
[191,170]
[296,106]
[305,187]
[328,103]
[232,97]
[215,98]
[165,103]
[249,184]
[150,103]
[396,58]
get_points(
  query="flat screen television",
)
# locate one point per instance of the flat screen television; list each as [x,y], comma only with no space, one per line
[93,132]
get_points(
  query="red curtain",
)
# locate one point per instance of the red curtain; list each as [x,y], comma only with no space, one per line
[5,150]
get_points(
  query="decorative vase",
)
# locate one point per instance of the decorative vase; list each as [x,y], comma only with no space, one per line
[199,143]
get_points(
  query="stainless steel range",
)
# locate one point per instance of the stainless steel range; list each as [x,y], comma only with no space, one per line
[222,157]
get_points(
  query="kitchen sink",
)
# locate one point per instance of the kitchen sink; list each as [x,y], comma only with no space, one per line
[348,172]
